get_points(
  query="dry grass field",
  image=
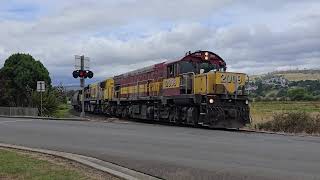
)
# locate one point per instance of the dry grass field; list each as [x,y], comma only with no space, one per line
[263,111]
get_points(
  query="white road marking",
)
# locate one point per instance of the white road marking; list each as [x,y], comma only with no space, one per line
[3,122]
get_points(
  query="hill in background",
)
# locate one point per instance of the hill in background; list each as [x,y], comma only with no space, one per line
[294,75]
[286,85]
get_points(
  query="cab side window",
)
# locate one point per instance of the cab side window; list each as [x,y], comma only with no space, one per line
[170,71]
[186,67]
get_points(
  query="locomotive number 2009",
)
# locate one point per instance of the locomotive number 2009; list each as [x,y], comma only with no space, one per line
[230,78]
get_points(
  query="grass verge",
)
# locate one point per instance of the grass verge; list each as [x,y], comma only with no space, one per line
[17,166]
[63,111]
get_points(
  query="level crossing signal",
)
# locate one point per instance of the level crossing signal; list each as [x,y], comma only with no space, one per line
[82,74]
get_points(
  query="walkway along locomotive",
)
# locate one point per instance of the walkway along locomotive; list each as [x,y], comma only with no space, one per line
[194,90]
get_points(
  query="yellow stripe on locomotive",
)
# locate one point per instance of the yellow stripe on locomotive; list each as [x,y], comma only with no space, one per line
[108,90]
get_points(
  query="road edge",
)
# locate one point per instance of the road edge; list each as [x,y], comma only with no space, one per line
[113,169]
[46,118]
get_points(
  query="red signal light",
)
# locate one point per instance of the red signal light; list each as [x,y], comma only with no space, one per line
[82,74]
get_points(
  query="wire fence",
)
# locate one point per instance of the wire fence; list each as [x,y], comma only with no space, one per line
[18,111]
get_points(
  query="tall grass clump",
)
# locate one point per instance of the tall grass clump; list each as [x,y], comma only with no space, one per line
[292,122]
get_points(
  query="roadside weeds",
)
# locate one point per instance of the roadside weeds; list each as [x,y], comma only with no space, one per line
[292,122]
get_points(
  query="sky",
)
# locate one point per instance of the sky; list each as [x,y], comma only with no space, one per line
[118,36]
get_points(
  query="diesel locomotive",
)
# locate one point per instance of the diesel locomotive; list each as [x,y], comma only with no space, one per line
[195,90]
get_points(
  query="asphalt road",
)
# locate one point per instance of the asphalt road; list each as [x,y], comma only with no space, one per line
[174,152]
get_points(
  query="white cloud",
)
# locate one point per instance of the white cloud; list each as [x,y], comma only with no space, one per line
[155,30]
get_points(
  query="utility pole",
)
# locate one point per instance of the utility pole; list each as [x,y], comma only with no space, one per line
[82,87]
[82,71]
[41,103]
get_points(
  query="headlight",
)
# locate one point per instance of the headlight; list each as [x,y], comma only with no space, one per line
[211,101]
[247,102]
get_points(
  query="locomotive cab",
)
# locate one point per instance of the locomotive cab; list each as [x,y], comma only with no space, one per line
[204,72]
[219,95]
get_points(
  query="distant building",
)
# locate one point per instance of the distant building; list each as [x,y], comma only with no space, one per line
[251,88]
[276,81]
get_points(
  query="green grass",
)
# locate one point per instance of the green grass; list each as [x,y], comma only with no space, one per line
[263,111]
[17,166]
[274,92]
[63,111]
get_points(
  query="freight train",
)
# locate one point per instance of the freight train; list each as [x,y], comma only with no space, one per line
[195,90]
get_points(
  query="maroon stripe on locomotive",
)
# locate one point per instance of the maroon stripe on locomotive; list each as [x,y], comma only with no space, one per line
[151,74]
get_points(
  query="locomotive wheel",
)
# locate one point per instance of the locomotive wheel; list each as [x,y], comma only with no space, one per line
[125,113]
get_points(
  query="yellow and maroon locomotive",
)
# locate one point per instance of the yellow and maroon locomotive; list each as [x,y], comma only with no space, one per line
[194,90]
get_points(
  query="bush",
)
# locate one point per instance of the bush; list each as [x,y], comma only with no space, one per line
[50,102]
[282,93]
[258,98]
[308,97]
[293,122]
[297,93]
[317,98]
[272,95]
[282,99]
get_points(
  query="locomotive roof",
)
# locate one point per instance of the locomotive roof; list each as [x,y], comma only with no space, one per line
[198,55]
[141,70]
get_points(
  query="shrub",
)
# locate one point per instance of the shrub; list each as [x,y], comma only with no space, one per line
[50,102]
[293,122]
[282,99]
[258,98]
[317,98]
[308,97]
[282,93]
[272,95]
[297,93]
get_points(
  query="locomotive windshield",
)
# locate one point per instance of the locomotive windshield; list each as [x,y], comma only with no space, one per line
[186,67]
[207,67]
